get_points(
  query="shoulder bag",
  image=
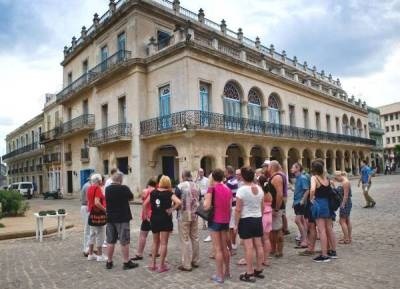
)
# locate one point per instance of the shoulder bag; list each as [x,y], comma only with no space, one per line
[206,214]
[97,217]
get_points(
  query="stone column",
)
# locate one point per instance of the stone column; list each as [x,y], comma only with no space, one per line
[342,168]
[246,160]
[285,163]
[334,168]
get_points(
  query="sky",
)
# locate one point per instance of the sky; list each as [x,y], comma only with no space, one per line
[355,40]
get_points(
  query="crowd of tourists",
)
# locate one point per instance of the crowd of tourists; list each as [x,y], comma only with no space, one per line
[243,208]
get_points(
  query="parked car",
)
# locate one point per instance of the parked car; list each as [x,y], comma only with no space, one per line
[24,188]
[53,194]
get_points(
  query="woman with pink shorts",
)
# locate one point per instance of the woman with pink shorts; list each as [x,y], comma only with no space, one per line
[266,219]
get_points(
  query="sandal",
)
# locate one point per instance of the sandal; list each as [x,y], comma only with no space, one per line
[152,267]
[180,267]
[162,269]
[343,241]
[266,264]
[242,262]
[247,277]
[137,258]
[258,274]
[215,278]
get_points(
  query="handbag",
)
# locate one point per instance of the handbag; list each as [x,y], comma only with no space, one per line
[206,214]
[335,199]
[97,217]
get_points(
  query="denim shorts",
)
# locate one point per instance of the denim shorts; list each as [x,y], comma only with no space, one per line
[217,227]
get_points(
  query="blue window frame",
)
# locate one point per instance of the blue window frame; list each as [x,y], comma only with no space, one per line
[165,106]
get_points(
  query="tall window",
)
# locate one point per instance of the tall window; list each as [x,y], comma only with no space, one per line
[165,106]
[56,118]
[328,123]
[69,78]
[85,66]
[104,115]
[305,118]
[85,107]
[273,109]
[318,121]
[204,102]
[122,110]
[32,137]
[254,106]
[231,100]
[163,39]
[103,57]
[121,45]
[292,116]
[69,113]
[337,125]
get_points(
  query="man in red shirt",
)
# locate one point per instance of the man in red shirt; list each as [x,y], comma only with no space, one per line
[96,200]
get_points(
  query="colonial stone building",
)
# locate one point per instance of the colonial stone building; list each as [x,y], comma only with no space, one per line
[151,88]
[376,133]
[390,118]
[24,155]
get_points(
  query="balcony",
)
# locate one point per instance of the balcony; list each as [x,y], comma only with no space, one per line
[199,120]
[85,155]
[32,168]
[17,152]
[53,158]
[26,169]
[111,134]
[51,135]
[68,158]
[81,123]
[93,74]
[39,167]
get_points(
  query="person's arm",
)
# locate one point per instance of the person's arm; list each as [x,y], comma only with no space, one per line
[305,197]
[130,194]
[313,188]
[262,206]
[359,180]
[176,205]
[370,175]
[278,185]
[238,210]
[145,204]
[97,202]
[346,190]
[208,200]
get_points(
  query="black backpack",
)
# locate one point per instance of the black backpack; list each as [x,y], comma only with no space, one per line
[335,199]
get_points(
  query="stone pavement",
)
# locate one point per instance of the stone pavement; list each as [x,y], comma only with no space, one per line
[370,262]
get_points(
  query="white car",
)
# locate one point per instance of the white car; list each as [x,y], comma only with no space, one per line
[24,188]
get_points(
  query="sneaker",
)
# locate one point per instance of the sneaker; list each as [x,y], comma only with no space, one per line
[322,259]
[130,265]
[208,239]
[109,265]
[373,204]
[101,258]
[92,257]
[332,254]
[366,207]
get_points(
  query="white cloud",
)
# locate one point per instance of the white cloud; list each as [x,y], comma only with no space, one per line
[380,87]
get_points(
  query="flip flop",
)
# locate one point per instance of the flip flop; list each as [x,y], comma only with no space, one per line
[300,247]
[137,258]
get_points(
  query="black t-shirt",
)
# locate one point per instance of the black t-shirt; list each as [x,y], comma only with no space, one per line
[160,202]
[117,203]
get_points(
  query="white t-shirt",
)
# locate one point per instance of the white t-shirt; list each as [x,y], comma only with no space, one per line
[251,202]
[203,185]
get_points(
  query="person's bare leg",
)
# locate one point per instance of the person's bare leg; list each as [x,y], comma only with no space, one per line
[125,252]
[345,229]
[303,230]
[267,248]
[224,237]
[156,244]
[100,250]
[285,223]
[258,245]
[330,234]
[218,253]
[312,236]
[110,252]
[142,243]
[164,236]
[349,227]
[248,253]
[322,236]
[273,239]
[279,242]
[91,247]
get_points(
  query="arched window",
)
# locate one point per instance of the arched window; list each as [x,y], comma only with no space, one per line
[232,98]
[274,109]
[359,128]
[345,125]
[353,128]
[254,105]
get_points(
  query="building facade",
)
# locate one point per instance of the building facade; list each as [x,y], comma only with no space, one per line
[3,175]
[376,133]
[390,119]
[151,88]
[24,155]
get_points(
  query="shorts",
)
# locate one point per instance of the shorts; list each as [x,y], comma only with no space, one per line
[96,235]
[365,187]
[345,212]
[145,226]
[299,209]
[118,231]
[217,227]
[277,223]
[232,224]
[250,228]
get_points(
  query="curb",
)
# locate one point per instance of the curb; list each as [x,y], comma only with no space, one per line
[24,234]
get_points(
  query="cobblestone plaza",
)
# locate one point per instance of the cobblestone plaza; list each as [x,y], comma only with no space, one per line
[371,261]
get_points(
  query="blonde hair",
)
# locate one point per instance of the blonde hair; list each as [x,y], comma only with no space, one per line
[340,173]
[165,183]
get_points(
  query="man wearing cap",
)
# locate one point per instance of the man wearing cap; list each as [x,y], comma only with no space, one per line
[85,216]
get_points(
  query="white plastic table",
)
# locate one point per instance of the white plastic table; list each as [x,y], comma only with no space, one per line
[40,227]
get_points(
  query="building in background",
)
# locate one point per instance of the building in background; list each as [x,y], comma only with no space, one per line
[390,119]
[376,133]
[3,174]
[24,155]
[151,87]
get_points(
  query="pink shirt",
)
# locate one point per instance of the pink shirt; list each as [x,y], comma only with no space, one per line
[222,203]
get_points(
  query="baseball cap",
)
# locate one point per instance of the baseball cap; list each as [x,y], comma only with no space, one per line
[266,163]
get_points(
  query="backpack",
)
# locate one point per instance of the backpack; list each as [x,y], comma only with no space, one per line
[335,199]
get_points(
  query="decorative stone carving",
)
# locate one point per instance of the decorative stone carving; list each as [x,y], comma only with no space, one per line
[83,32]
[73,42]
[258,42]
[65,50]
[223,26]
[112,6]
[240,35]
[201,15]
[96,20]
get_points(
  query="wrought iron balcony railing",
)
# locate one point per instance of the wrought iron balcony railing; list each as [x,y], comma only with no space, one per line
[84,80]
[39,167]
[51,135]
[85,154]
[121,131]
[24,149]
[83,122]
[201,120]
[56,157]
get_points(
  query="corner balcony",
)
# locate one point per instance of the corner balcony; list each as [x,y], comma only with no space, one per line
[24,150]
[121,132]
[79,124]
[107,66]
[209,121]
[51,135]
